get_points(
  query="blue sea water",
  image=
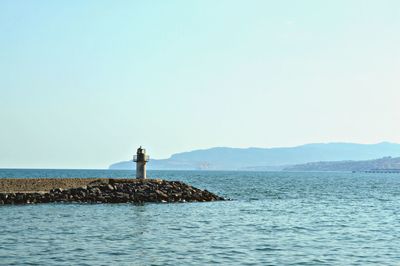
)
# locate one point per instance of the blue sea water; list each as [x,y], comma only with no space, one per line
[275,218]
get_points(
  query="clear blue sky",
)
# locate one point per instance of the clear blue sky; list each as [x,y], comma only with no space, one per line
[83,83]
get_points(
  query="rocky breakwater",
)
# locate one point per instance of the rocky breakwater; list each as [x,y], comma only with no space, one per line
[116,191]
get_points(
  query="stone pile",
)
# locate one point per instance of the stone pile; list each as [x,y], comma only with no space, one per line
[116,191]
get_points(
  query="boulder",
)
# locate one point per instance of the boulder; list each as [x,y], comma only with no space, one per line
[117,191]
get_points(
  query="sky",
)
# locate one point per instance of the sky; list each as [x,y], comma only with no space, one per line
[84,83]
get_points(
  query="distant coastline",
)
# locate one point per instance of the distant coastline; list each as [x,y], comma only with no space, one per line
[309,157]
[386,164]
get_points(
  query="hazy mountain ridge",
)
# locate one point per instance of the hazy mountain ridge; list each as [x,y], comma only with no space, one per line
[224,158]
[382,163]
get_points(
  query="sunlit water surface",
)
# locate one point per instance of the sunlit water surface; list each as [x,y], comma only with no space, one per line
[275,218]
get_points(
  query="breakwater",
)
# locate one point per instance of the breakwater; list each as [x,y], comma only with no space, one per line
[18,191]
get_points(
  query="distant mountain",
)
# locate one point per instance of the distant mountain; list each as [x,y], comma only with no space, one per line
[367,165]
[268,158]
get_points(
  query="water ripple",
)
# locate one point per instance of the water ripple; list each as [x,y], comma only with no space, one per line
[275,219]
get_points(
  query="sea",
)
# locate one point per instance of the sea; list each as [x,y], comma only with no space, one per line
[273,218]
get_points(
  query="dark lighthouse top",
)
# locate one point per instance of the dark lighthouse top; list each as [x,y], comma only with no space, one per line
[141,155]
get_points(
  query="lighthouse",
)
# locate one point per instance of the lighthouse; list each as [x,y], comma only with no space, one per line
[141,159]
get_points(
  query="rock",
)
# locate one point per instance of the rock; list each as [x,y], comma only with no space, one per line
[58,190]
[161,194]
[116,191]
[94,190]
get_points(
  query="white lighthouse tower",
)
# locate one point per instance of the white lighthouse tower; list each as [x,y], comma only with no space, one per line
[141,159]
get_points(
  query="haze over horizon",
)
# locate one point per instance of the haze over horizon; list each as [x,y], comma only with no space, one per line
[83,84]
